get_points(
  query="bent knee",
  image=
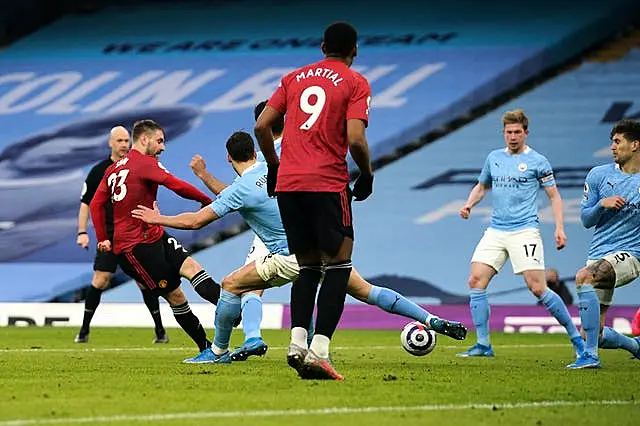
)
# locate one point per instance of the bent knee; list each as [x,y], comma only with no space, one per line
[478,282]
[583,276]
[229,283]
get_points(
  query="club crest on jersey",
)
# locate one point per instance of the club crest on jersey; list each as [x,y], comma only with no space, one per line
[162,284]
[522,167]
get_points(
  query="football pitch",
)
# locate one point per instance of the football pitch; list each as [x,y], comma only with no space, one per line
[120,378]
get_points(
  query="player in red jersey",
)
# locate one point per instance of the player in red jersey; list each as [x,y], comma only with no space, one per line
[145,252]
[326,110]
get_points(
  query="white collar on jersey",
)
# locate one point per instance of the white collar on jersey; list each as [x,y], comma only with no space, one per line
[527,149]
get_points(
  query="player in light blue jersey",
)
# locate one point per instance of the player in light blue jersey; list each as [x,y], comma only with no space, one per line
[611,204]
[268,265]
[514,174]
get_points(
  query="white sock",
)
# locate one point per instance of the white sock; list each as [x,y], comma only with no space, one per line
[218,351]
[299,337]
[320,345]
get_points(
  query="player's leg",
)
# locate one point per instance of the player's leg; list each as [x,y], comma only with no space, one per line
[626,269]
[488,258]
[179,259]
[393,302]
[334,233]
[187,320]
[251,308]
[297,222]
[104,265]
[526,252]
[151,301]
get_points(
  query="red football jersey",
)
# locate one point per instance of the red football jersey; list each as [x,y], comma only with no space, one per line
[131,181]
[317,100]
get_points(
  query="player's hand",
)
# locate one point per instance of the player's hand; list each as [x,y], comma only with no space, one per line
[363,187]
[465,212]
[561,238]
[146,214]
[83,241]
[615,203]
[272,179]
[197,164]
[104,245]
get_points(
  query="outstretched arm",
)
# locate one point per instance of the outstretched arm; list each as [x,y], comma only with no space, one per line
[189,220]
[186,190]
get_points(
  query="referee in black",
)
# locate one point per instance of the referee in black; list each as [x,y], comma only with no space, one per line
[105,263]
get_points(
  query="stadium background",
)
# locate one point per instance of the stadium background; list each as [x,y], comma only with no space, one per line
[441,74]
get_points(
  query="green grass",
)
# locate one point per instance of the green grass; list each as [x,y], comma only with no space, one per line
[47,379]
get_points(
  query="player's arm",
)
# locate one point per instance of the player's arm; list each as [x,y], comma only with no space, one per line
[189,220]
[593,206]
[269,116]
[357,121]
[547,181]
[199,168]
[88,191]
[97,209]
[479,191]
[161,176]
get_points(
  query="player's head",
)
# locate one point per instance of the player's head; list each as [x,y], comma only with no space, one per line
[277,128]
[240,149]
[148,137]
[119,142]
[625,141]
[340,41]
[516,129]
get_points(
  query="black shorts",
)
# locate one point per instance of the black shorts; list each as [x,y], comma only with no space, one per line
[316,220]
[105,261]
[156,265]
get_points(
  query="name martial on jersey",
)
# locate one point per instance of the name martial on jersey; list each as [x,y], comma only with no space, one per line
[327,73]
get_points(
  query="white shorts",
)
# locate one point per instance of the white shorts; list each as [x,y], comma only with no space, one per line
[626,267]
[274,269]
[523,247]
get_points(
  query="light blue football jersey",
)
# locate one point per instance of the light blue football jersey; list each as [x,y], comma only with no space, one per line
[614,230]
[277,144]
[515,180]
[248,196]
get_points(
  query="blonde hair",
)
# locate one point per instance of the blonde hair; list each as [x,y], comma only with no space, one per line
[516,116]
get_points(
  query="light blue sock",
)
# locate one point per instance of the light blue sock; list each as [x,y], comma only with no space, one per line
[310,332]
[227,311]
[589,307]
[556,307]
[611,339]
[395,303]
[480,311]
[251,316]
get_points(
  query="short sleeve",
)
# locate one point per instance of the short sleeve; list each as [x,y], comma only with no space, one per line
[485,174]
[90,186]
[544,173]
[229,200]
[359,101]
[591,195]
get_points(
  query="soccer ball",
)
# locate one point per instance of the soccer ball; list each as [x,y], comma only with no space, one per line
[417,339]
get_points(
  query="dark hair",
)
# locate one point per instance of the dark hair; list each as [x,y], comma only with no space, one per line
[339,39]
[144,126]
[629,128]
[278,127]
[240,146]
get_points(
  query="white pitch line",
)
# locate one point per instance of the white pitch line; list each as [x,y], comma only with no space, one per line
[311,412]
[277,348]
